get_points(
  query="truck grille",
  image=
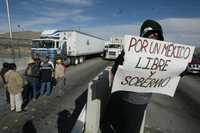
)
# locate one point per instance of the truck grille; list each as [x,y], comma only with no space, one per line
[112,53]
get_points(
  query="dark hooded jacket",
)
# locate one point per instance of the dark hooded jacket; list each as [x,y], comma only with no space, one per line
[148,27]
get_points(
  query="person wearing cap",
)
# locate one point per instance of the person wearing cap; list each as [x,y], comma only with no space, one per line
[125,110]
[32,73]
[59,76]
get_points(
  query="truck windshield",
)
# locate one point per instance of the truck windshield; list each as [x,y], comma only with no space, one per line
[43,44]
[114,46]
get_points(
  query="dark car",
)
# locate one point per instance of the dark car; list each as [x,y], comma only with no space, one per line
[194,66]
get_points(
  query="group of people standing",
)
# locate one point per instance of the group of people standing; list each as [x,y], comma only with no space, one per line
[41,76]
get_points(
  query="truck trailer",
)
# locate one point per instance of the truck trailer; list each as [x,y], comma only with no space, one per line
[71,46]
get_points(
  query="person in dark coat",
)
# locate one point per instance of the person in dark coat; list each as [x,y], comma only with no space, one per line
[32,74]
[5,68]
[126,109]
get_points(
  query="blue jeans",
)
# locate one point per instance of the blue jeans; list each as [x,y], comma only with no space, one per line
[35,84]
[122,116]
[45,86]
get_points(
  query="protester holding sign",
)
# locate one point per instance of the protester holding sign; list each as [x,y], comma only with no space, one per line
[145,65]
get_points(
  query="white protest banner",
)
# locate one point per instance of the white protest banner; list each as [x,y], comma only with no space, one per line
[151,66]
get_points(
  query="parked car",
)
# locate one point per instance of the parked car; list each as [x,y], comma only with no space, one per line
[194,66]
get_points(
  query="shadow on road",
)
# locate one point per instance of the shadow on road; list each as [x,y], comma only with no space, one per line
[26,95]
[29,127]
[66,120]
[63,121]
[193,107]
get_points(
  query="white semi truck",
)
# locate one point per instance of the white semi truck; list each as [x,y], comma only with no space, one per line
[113,48]
[70,45]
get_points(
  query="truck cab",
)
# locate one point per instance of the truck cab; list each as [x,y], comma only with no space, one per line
[71,46]
[53,48]
[112,50]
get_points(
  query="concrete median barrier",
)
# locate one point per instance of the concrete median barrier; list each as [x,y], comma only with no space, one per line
[99,92]
[98,96]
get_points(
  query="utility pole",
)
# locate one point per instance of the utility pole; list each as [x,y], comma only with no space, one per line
[10,30]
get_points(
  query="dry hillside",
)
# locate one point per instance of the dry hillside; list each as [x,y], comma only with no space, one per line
[21,43]
[22,35]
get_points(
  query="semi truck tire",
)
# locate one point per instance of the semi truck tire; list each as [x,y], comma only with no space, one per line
[76,62]
[72,60]
[81,59]
[67,61]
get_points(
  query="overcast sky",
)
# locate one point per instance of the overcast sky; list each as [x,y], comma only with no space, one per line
[105,18]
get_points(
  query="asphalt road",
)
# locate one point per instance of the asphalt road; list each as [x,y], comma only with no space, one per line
[179,114]
[54,114]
